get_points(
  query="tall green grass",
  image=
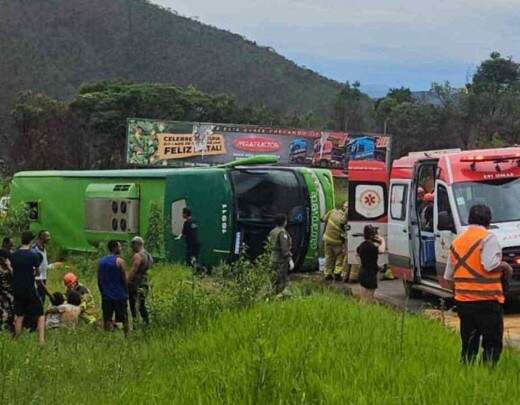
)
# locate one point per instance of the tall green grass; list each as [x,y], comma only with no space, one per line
[204,346]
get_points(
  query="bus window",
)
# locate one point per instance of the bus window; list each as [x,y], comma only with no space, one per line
[177,219]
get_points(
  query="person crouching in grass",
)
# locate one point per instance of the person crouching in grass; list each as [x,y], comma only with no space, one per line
[368,252]
[61,313]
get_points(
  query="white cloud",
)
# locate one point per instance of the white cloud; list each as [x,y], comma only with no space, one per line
[370,31]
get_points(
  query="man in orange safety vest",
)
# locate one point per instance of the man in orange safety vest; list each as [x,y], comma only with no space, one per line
[476,269]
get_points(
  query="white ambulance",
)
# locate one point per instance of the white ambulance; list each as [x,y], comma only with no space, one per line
[418,248]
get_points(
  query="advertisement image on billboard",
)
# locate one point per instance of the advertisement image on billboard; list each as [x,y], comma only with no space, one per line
[173,143]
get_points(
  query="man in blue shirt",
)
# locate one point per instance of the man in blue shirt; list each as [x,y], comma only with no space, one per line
[113,287]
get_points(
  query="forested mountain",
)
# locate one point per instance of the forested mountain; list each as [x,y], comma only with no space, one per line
[140,61]
[53,46]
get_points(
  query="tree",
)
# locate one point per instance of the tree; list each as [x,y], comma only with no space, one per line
[348,109]
[400,95]
[492,101]
[495,74]
[90,130]
[40,121]
[105,106]
[386,105]
[418,127]
[455,104]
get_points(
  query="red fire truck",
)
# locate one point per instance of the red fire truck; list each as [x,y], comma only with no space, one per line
[418,250]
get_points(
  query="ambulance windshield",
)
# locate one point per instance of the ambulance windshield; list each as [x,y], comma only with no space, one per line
[502,196]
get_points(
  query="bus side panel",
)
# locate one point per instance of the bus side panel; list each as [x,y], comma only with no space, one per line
[209,195]
[61,207]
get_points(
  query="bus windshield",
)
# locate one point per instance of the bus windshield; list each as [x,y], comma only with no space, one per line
[261,194]
[501,196]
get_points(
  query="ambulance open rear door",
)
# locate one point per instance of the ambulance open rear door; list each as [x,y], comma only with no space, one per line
[398,241]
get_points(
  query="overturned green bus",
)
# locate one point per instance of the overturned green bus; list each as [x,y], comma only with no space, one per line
[233,204]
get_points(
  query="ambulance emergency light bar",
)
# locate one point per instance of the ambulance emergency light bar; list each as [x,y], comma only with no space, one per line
[474,159]
[432,153]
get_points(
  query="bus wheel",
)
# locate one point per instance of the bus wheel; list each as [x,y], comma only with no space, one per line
[410,291]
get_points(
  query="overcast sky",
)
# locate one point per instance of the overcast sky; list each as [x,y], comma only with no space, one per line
[378,42]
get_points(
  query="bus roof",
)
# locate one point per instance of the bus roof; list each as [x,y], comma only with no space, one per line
[139,173]
[123,173]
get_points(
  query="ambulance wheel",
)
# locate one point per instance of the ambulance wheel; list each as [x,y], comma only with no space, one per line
[410,291]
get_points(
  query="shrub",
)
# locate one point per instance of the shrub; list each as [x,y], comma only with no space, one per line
[181,301]
[246,281]
[154,238]
[15,222]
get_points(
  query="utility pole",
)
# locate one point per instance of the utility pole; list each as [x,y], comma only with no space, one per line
[388,156]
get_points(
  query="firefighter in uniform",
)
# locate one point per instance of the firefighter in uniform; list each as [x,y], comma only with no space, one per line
[335,221]
[281,256]
[477,271]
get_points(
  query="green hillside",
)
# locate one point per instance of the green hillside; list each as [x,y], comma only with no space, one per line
[54,46]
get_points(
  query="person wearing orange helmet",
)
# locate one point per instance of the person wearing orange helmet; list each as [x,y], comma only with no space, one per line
[88,307]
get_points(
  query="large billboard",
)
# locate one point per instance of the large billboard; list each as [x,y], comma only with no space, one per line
[173,143]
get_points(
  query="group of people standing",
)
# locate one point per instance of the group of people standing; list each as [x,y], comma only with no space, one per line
[335,248]
[23,283]
[478,275]
[120,286]
[476,271]
[337,267]
[23,288]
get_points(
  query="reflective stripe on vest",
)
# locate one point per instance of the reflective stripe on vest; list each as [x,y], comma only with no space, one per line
[472,281]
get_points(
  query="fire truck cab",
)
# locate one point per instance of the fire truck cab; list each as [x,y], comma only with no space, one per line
[418,246]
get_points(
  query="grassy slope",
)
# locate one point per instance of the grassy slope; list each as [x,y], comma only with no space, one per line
[321,348]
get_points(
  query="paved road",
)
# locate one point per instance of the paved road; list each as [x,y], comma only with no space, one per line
[391,293]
